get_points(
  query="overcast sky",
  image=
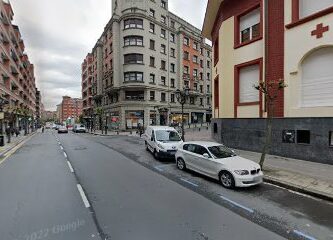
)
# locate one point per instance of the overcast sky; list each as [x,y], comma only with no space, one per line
[59,33]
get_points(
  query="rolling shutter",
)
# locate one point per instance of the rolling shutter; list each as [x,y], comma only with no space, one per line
[248,77]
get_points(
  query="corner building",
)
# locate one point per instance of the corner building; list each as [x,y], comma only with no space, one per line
[264,40]
[144,55]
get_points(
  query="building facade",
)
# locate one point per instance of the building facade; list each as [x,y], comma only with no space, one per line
[87,79]
[17,85]
[267,41]
[144,55]
[70,108]
[39,109]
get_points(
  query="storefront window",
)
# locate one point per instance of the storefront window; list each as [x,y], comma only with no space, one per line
[134,119]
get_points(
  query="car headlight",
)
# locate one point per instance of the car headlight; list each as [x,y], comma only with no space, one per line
[160,146]
[242,172]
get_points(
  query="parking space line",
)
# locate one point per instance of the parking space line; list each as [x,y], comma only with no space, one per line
[61,147]
[189,182]
[304,235]
[65,155]
[83,196]
[160,167]
[70,167]
[237,204]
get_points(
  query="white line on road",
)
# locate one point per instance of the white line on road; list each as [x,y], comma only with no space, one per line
[237,204]
[61,147]
[304,235]
[70,166]
[65,155]
[83,196]
[160,167]
[189,182]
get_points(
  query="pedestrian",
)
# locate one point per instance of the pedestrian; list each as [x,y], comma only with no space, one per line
[17,132]
[12,131]
[43,129]
[8,134]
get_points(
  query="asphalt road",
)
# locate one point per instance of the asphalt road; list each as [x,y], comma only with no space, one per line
[129,195]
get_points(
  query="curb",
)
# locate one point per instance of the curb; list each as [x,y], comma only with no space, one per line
[16,144]
[298,189]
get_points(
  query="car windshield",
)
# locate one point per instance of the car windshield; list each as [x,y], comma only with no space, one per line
[167,136]
[221,151]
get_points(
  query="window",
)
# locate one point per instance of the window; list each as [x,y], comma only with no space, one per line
[331,139]
[152,78]
[163,65]
[195,59]
[152,28]
[152,44]
[303,136]
[163,34]
[163,49]
[163,19]
[249,26]
[186,55]
[172,37]
[208,54]
[186,84]
[195,72]
[134,95]
[172,82]
[208,64]
[133,23]
[317,79]
[208,89]
[151,13]
[133,41]
[201,76]
[163,4]
[195,45]
[163,81]
[133,58]
[172,68]
[201,101]
[216,50]
[309,7]
[162,97]
[208,76]
[173,52]
[201,63]
[172,24]
[186,41]
[208,100]
[152,96]
[133,77]
[200,150]
[201,51]
[195,86]
[186,69]
[201,88]
[172,98]
[248,77]
[191,100]
[288,136]
[152,62]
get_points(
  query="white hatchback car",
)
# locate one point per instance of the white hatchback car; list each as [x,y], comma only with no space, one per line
[217,161]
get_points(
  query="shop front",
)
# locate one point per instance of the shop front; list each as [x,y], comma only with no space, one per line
[176,118]
[114,120]
[134,119]
[197,117]
[152,118]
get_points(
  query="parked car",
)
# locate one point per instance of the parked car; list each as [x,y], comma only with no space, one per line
[162,141]
[62,129]
[79,128]
[217,161]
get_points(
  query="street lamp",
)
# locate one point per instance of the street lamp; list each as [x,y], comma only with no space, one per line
[181,98]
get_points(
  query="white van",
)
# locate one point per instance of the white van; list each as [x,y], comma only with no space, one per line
[162,141]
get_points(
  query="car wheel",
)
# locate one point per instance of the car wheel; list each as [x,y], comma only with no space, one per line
[156,155]
[181,164]
[227,180]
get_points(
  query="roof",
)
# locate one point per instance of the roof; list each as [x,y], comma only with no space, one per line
[204,143]
[210,16]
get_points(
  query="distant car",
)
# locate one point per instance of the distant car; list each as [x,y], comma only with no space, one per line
[162,141]
[217,161]
[57,127]
[62,129]
[79,128]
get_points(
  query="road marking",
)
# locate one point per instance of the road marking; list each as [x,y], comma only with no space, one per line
[237,204]
[83,196]
[159,167]
[65,155]
[189,182]
[304,235]
[61,147]
[70,167]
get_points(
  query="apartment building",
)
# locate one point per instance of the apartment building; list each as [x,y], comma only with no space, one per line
[265,41]
[69,108]
[38,107]
[143,56]
[17,80]
[87,79]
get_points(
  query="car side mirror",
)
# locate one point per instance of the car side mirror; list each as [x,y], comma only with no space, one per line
[206,155]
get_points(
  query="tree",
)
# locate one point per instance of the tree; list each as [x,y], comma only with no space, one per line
[100,113]
[270,90]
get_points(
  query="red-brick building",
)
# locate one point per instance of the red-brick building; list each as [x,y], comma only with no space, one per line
[70,108]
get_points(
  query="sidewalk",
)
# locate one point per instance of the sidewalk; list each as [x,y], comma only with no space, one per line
[303,176]
[13,143]
[114,133]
